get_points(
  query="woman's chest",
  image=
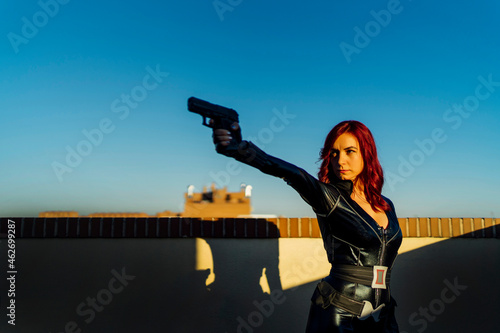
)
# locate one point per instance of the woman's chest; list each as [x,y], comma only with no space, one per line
[379,217]
[353,225]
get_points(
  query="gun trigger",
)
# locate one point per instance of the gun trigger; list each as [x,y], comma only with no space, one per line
[205,123]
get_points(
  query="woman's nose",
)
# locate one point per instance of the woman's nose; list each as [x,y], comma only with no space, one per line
[341,159]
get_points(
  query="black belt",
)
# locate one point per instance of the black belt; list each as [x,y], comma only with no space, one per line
[356,274]
[325,296]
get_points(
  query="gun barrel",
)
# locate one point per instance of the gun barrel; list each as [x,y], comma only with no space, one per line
[210,110]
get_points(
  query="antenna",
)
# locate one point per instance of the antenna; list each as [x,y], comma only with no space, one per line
[248,191]
[190,191]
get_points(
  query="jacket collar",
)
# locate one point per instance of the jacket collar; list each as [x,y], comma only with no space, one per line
[343,185]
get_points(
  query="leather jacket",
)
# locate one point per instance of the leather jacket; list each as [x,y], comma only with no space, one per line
[350,235]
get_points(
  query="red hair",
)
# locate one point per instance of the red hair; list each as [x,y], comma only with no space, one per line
[371,177]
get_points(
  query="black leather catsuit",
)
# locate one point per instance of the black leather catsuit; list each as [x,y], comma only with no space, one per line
[350,236]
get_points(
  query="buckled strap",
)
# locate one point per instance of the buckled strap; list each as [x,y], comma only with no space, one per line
[329,296]
[326,296]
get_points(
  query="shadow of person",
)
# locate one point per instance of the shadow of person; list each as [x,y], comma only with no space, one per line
[230,294]
[246,273]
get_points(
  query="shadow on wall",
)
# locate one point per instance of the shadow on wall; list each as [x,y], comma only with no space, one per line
[131,285]
[450,286]
[134,285]
[246,294]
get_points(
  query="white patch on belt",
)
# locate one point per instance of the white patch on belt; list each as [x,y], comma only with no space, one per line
[379,277]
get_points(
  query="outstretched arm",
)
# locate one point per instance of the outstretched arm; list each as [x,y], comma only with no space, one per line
[315,193]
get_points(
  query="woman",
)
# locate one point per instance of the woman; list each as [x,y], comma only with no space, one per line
[359,227]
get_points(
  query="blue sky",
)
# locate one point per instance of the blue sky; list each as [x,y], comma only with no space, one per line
[109,81]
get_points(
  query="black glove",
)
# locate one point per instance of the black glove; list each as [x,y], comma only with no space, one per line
[227,141]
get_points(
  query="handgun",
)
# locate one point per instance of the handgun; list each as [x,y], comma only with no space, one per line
[222,118]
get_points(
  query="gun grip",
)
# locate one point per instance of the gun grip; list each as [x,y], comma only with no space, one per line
[235,134]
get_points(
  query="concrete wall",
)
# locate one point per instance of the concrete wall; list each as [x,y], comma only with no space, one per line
[232,285]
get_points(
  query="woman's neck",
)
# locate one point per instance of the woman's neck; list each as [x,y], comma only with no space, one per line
[358,190]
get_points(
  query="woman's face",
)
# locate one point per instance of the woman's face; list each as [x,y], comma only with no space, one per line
[347,162]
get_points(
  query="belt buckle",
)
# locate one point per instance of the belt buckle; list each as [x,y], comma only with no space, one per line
[369,311]
[379,277]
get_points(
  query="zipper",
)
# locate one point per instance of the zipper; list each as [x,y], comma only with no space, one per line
[378,291]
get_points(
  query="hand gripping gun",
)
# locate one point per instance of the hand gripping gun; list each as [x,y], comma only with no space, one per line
[222,118]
